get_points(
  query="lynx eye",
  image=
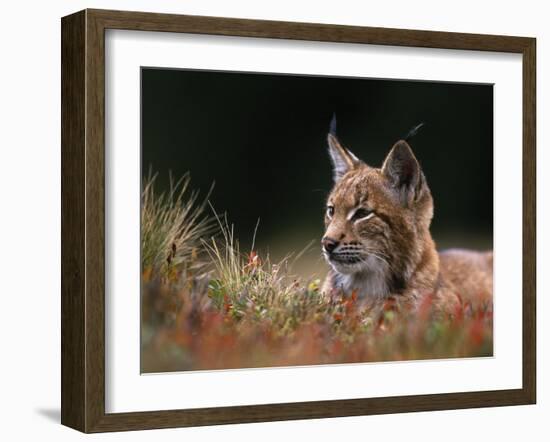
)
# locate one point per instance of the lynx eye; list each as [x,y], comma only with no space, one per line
[362,213]
[330,211]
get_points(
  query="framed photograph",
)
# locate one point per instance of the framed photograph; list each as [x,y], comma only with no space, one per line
[269,220]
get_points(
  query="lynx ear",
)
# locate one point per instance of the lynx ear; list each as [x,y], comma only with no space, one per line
[343,160]
[403,171]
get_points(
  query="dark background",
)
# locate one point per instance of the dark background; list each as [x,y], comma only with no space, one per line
[262,139]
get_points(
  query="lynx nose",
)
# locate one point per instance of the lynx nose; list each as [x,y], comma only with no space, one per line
[329,244]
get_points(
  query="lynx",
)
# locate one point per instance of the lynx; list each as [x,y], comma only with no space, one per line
[378,242]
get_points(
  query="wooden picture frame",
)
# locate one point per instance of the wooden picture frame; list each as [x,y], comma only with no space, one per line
[83,220]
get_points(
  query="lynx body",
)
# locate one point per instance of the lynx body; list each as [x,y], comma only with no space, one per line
[378,242]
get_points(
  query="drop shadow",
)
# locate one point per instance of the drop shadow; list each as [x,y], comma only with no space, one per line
[51,414]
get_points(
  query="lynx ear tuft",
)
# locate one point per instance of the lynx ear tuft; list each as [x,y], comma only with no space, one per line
[332,128]
[412,133]
[343,160]
[403,171]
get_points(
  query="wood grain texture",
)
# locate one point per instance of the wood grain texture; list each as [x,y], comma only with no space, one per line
[73,252]
[95,221]
[529,221]
[83,220]
[307,410]
[145,21]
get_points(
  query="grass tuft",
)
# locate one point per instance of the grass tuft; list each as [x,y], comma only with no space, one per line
[173,224]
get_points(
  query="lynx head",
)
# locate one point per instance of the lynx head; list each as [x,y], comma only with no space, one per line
[376,219]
